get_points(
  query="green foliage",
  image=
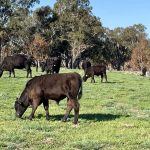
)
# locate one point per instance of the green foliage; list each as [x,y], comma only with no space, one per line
[78,26]
[128,36]
[121,42]
[13,16]
[113,115]
[71,21]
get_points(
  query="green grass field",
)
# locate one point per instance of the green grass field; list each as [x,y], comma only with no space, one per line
[113,116]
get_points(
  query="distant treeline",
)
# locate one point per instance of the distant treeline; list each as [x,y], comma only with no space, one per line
[71,30]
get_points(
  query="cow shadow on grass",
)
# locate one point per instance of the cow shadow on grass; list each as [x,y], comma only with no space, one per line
[16,77]
[99,117]
[108,82]
[94,117]
[113,82]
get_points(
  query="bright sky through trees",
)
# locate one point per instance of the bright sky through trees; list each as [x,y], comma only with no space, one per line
[117,13]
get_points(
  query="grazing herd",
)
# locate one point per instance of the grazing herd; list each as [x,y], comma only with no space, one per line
[53,85]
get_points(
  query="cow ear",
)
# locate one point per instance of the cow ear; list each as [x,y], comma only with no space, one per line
[17,101]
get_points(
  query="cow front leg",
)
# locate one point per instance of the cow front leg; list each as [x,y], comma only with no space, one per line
[46,107]
[105,77]
[34,105]
[9,73]
[29,71]
[92,79]
[68,110]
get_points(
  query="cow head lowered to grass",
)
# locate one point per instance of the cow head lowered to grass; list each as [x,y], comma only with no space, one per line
[55,87]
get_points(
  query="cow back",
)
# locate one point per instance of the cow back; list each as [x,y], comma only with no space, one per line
[96,70]
[55,86]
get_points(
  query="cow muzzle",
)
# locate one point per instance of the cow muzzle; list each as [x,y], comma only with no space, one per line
[18,115]
[84,79]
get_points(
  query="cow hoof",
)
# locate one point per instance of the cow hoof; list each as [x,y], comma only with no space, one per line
[76,125]
[64,120]
[30,118]
[47,117]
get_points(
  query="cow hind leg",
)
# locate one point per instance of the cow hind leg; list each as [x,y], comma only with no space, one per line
[27,74]
[46,107]
[76,107]
[68,110]
[102,77]
[13,72]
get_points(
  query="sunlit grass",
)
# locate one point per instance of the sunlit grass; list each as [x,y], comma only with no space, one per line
[113,115]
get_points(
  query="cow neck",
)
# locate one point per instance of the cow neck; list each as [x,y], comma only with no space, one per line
[24,98]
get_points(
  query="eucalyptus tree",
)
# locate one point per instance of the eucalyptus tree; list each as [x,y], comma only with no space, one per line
[125,40]
[43,20]
[77,25]
[128,36]
[13,13]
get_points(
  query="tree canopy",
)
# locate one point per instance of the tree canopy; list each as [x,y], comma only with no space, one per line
[69,29]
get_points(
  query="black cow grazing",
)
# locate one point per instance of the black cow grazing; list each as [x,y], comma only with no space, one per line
[17,61]
[52,65]
[98,70]
[86,64]
[56,87]
[144,70]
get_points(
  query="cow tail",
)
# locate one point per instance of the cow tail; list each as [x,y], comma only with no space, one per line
[80,89]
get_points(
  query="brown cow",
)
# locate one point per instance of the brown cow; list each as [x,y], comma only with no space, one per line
[98,70]
[56,87]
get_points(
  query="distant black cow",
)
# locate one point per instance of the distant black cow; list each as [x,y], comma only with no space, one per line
[42,65]
[17,61]
[86,64]
[99,70]
[35,63]
[56,87]
[144,70]
[52,65]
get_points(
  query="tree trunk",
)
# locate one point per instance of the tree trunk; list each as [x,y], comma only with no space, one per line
[0,51]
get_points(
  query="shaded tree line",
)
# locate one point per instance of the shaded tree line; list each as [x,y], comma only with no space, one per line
[71,30]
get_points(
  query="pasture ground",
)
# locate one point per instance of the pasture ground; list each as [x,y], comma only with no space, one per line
[113,116]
